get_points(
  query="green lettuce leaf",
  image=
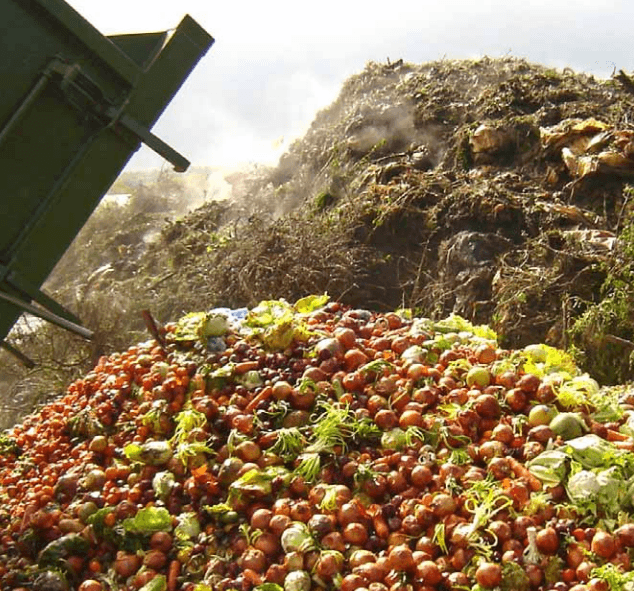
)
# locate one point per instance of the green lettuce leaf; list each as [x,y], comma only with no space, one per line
[149,520]
[154,453]
[311,303]
[550,466]
[200,326]
[277,323]
[158,583]
[67,545]
[188,527]
[162,483]
[591,451]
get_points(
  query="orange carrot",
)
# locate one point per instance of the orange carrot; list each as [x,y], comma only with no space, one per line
[613,435]
[252,577]
[245,366]
[172,575]
[522,471]
[264,394]
[627,445]
[380,527]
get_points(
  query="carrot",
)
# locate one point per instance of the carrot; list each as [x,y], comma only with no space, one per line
[522,471]
[627,445]
[264,394]
[172,575]
[252,577]
[613,435]
[380,527]
[245,366]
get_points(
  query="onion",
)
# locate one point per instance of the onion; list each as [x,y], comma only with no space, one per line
[355,534]
[568,425]
[603,545]
[161,540]
[155,559]
[126,564]
[429,573]
[478,376]
[297,580]
[443,505]
[529,383]
[625,535]
[329,564]
[487,406]
[541,414]
[400,558]
[328,348]
[547,541]
[253,559]
[295,538]
[359,557]
[488,575]
[268,543]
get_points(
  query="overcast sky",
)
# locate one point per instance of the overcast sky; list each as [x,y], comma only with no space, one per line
[276,63]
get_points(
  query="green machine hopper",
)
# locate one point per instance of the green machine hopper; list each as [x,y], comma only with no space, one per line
[74,106]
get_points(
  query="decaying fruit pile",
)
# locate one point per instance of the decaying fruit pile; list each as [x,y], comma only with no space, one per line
[311,446]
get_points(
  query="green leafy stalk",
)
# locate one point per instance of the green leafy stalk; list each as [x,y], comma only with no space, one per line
[377,367]
[186,421]
[459,456]
[309,467]
[612,574]
[332,429]
[414,435]
[439,537]
[329,502]
[158,583]
[289,443]
[334,425]
[484,499]
[187,450]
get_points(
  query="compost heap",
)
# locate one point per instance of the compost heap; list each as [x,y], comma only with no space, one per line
[316,446]
[495,189]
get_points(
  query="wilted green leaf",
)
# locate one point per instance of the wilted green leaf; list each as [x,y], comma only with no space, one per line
[201,326]
[8,446]
[67,545]
[154,453]
[97,520]
[158,583]
[257,482]
[269,587]
[188,527]
[85,424]
[311,303]
[550,466]
[591,451]
[162,484]
[148,520]
[456,323]
[277,324]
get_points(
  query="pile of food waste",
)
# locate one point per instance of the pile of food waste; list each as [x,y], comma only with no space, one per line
[307,446]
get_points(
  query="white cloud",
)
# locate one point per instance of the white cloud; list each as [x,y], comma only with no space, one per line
[276,63]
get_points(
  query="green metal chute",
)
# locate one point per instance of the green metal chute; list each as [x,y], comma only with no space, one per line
[74,107]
